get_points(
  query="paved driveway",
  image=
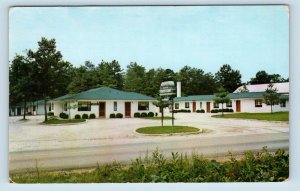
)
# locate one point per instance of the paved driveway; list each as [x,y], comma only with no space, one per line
[32,135]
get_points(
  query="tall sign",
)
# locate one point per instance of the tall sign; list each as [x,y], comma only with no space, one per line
[167,92]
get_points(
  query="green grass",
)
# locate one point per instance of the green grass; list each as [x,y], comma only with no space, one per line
[63,121]
[166,129]
[251,167]
[158,118]
[278,116]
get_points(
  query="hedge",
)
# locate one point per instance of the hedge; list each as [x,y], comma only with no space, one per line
[85,116]
[92,116]
[119,115]
[63,115]
[77,116]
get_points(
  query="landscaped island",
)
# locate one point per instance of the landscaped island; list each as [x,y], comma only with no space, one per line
[63,121]
[278,116]
[167,129]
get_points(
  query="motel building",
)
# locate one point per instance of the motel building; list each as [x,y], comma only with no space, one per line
[102,102]
[240,101]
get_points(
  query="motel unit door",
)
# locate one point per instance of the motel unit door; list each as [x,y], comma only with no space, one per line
[194,106]
[102,107]
[238,106]
[207,107]
[127,109]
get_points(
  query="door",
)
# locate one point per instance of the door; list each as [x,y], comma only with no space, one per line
[207,107]
[194,106]
[238,106]
[127,109]
[102,109]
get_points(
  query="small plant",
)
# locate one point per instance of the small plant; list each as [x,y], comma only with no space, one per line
[50,114]
[85,116]
[63,115]
[137,114]
[150,114]
[156,114]
[92,116]
[214,111]
[144,114]
[77,116]
[119,115]
[112,115]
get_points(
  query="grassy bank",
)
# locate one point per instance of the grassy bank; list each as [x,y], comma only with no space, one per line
[63,121]
[278,116]
[166,129]
[260,167]
[158,118]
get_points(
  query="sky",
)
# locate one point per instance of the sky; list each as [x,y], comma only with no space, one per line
[249,38]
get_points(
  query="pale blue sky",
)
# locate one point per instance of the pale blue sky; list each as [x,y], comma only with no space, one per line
[249,38]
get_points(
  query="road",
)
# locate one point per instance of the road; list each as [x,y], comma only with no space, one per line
[84,157]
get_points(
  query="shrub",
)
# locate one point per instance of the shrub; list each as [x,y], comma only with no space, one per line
[150,114]
[50,114]
[144,114]
[112,115]
[29,113]
[214,111]
[92,116]
[63,115]
[202,111]
[137,114]
[156,114]
[230,110]
[119,115]
[188,111]
[77,116]
[85,116]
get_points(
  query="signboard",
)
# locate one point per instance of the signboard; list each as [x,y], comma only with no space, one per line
[167,88]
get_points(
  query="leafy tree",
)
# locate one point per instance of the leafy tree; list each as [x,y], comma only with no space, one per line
[262,77]
[228,78]
[50,72]
[22,86]
[271,97]
[222,97]
[111,74]
[135,78]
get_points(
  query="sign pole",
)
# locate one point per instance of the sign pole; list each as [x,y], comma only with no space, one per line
[162,112]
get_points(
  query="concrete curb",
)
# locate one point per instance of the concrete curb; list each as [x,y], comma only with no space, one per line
[171,134]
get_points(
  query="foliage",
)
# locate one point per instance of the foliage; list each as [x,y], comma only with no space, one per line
[119,115]
[50,114]
[222,97]
[63,115]
[111,74]
[144,114]
[77,116]
[277,116]
[263,166]
[137,114]
[150,114]
[271,97]
[92,116]
[58,121]
[166,129]
[228,78]
[85,116]
[112,115]
[262,77]
[182,111]
[200,111]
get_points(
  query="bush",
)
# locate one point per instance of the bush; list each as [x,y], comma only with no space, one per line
[156,114]
[144,114]
[85,116]
[230,110]
[200,111]
[150,114]
[92,116]
[119,115]
[77,116]
[112,115]
[50,114]
[214,111]
[63,115]
[175,111]
[189,111]
[137,115]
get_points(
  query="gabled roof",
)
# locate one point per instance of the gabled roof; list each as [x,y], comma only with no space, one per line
[281,87]
[243,95]
[105,93]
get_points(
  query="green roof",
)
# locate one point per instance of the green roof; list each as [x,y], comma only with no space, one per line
[105,93]
[243,95]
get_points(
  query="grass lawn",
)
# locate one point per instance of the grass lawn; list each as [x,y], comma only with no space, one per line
[278,116]
[157,118]
[63,121]
[166,129]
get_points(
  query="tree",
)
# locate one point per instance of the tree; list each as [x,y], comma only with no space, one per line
[111,74]
[135,78]
[228,78]
[50,72]
[262,77]
[222,97]
[271,97]
[22,86]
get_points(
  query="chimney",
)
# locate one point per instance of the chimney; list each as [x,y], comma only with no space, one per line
[178,89]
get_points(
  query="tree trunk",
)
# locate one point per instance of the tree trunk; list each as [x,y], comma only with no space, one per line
[271,108]
[24,113]
[45,109]
[222,110]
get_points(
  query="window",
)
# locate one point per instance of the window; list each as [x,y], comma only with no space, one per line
[65,106]
[282,104]
[258,103]
[216,105]
[143,106]
[84,106]
[200,105]
[176,105]
[229,104]
[187,104]
[115,106]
